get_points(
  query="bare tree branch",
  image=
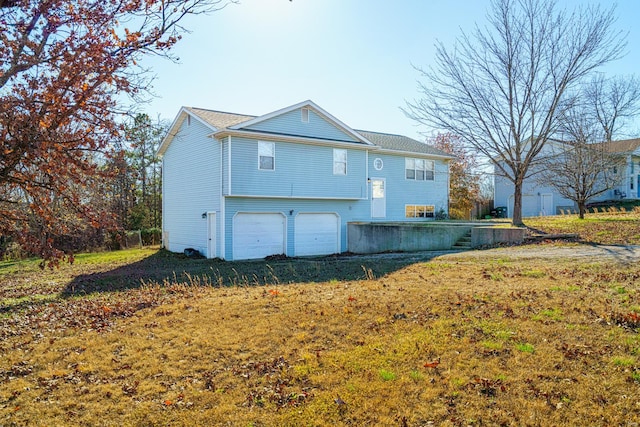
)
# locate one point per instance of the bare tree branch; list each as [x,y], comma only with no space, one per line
[501,88]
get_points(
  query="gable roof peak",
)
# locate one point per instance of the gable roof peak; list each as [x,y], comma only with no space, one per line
[308,104]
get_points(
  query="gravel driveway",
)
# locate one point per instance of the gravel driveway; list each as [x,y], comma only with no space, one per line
[622,254]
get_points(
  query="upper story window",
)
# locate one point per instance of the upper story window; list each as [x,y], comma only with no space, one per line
[419,169]
[266,156]
[305,115]
[339,161]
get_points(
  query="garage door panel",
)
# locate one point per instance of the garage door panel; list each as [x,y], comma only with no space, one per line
[257,235]
[316,234]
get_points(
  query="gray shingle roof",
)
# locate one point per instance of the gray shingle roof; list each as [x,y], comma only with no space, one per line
[222,120]
[389,141]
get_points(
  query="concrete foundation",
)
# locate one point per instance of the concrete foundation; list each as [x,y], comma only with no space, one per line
[372,237]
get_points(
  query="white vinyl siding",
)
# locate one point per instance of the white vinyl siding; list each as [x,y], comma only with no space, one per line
[191,178]
[266,155]
[339,161]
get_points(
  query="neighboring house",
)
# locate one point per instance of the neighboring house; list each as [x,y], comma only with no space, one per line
[540,200]
[244,187]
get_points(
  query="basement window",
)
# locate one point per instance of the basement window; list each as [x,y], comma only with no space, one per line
[419,211]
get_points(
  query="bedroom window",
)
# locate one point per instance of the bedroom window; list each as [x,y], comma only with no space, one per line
[266,156]
[339,161]
[419,211]
[419,169]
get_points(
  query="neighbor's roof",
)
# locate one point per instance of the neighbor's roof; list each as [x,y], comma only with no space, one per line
[222,120]
[624,146]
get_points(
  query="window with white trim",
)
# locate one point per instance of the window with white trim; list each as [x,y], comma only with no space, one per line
[419,169]
[420,211]
[339,161]
[266,156]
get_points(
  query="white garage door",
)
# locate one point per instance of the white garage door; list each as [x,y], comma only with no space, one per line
[316,234]
[257,235]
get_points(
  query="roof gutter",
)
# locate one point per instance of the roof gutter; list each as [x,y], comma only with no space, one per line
[378,149]
[264,136]
[322,142]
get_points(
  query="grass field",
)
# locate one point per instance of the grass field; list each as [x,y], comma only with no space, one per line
[613,228]
[144,337]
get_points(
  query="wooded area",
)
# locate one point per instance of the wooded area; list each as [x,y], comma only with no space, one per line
[77,163]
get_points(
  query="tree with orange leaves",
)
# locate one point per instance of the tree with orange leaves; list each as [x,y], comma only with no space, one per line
[464,186]
[64,66]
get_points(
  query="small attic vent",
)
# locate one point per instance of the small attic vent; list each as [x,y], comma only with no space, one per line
[305,115]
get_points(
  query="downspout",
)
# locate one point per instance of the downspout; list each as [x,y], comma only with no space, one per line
[229,165]
[448,180]
[366,171]
[164,210]
[222,204]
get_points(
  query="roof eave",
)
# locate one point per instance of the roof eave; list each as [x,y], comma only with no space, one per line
[413,153]
[175,128]
[264,136]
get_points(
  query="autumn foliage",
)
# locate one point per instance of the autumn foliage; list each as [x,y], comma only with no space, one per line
[64,68]
[464,187]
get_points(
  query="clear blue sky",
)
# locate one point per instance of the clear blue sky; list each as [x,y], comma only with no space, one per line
[351,57]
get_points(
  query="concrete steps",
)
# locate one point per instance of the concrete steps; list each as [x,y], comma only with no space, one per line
[463,243]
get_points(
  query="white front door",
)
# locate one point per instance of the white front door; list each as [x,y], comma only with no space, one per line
[378,198]
[212,235]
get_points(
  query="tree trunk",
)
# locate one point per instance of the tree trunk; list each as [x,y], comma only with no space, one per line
[517,203]
[581,209]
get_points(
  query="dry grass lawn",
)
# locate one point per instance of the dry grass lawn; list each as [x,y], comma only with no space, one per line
[455,340]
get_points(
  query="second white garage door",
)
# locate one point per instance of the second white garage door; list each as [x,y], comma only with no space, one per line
[317,234]
[257,235]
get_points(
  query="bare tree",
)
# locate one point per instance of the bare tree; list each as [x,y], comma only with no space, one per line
[503,87]
[612,102]
[582,168]
[587,165]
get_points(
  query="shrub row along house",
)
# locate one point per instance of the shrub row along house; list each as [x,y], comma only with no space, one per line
[287,182]
[618,178]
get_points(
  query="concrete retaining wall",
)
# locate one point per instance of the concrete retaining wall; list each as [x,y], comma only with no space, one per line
[372,237]
[367,238]
[487,236]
